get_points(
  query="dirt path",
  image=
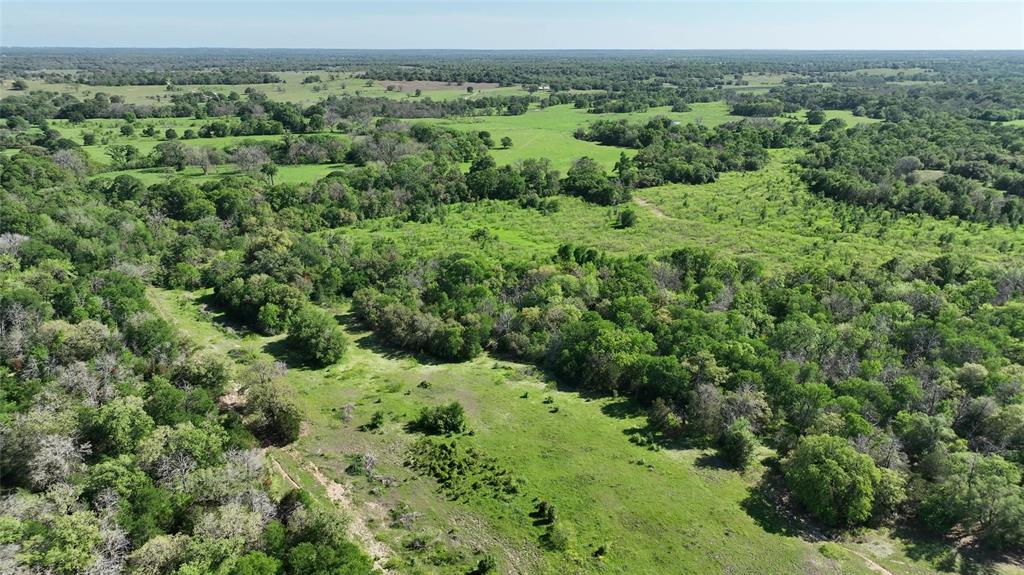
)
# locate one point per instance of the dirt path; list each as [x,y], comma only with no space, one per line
[357,527]
[871,564]
[284,473]
[654,209]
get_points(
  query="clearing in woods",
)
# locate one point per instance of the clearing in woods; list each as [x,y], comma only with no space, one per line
[675,508]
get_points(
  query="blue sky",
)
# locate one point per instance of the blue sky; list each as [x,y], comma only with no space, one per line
[503,24]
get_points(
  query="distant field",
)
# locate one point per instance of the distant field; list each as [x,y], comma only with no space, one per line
[549,132]
[292,90]
[725,216]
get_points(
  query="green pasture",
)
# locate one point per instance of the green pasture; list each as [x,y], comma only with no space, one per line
[548,132]
[291,90]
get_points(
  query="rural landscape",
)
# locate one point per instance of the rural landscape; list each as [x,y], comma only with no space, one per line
[352,312]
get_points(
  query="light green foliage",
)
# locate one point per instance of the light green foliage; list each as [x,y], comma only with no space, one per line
[832,480]
[314,335]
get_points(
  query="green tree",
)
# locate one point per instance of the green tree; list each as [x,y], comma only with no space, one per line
[269,170]
[833,480]
[981,494]
[506,142]
[815,116]
[122,155]
[256,563]
[626,218]
[314,335]
[120,425]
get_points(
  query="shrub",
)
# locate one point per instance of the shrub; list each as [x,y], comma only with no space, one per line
[627,218]
[739,444]
[442,419]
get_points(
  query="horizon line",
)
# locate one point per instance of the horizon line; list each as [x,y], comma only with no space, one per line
[293,49]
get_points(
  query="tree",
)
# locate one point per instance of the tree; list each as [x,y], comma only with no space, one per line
[19,84]
[172,154]
[250,158]
[506,142]
[171,134]
[123,156]
[269,170]
[586,179]
[127,130]
[981,494]
[832,480]
[486,138]
[738,444]
[815,116]
[314,335]
[256,563]
[120,425]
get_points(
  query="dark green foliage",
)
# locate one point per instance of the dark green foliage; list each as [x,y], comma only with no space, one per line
[739,444]
[461,469]
[587,179]
[626,218]
[444,419]
[256,563]
[484,566]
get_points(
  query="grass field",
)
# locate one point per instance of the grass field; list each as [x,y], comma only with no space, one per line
[548,132]
[668,511]
[724,216]
[291,90]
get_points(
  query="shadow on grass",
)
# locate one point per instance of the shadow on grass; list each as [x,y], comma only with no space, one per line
[370,341]
[950,556]
[768,504]
[220,317]
[711,460]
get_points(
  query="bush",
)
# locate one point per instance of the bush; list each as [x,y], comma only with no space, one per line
[739,444]
[314,335]
[442,419]
[627,218]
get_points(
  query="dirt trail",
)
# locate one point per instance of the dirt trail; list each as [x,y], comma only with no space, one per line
[654,209]
[284,473]
[871,564]
[357,527]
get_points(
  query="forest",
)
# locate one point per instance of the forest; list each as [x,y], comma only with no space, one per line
[877,392]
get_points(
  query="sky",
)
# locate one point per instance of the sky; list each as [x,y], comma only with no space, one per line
[522,24]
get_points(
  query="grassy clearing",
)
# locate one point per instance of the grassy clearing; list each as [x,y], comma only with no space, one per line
[846,116]
[673,510]
[291,90]
[548,132]
[725,216]
[108,133]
